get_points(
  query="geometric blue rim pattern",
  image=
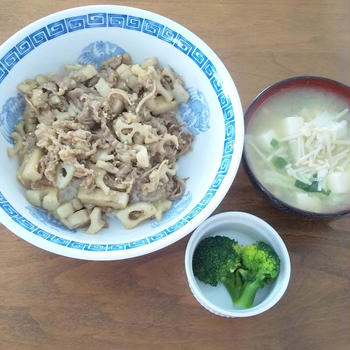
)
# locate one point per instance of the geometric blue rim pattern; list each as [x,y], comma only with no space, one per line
[102,19]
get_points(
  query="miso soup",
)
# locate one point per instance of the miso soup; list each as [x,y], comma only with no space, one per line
[298,147]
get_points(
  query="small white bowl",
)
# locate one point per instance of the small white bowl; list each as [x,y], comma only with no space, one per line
[245,229]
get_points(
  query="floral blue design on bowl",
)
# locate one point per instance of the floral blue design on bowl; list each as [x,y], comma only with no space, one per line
[195,113]
[177,208]
[99,51]
[10,115]
[43,216]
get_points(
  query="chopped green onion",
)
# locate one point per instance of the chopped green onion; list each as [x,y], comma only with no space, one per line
[279,162]
[274,143]
[313,187]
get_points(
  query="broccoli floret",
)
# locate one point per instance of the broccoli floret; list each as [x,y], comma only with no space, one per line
[215,260]
[260,266]
[241,269]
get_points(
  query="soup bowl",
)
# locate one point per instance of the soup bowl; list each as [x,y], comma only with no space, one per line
[324,93]
[90,35]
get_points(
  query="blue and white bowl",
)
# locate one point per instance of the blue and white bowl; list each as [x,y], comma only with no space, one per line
[91,34]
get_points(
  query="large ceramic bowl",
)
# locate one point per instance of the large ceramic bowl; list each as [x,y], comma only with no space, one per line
[90,35]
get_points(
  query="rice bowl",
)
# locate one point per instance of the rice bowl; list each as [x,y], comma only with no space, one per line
[213,114]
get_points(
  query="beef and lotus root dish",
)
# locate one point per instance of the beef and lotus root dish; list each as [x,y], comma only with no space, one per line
[93,142]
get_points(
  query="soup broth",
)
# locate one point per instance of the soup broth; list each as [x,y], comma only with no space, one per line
[298,147]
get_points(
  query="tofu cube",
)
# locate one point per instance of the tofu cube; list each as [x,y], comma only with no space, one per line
[339,182]
[291,126]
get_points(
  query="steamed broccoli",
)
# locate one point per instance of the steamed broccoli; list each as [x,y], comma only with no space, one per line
[215,260]
[260,266]
[241,269]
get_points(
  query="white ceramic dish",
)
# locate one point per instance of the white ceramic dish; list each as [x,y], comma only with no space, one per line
[89,35]
[245,229]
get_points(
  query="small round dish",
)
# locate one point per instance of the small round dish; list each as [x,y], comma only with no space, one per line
[245,228]
[327,87]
